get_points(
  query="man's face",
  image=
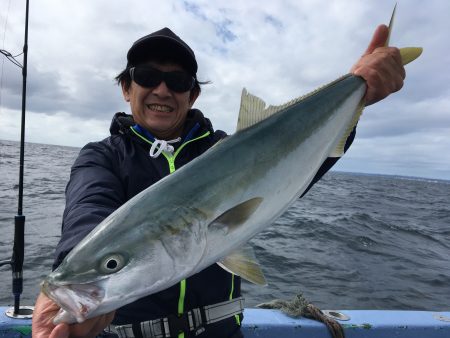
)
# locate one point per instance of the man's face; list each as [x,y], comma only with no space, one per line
[159,109]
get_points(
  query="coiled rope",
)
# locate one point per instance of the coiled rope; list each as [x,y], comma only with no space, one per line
[300,307]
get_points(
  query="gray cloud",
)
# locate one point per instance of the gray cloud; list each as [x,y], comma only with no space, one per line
[277,51]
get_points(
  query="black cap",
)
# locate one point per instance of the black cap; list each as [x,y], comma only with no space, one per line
[163,44]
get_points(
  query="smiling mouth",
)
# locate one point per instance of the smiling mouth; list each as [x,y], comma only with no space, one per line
[160,108]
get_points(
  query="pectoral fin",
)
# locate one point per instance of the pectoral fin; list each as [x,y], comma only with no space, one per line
[237,215]
[243,263]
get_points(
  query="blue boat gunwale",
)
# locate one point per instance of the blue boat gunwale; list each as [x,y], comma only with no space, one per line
[271,323]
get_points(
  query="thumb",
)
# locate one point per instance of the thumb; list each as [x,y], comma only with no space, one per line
[378,39]
[60,331]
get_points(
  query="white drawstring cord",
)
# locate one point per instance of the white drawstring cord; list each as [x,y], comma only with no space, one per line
[159,146]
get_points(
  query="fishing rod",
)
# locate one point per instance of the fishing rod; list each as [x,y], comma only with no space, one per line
[19,220]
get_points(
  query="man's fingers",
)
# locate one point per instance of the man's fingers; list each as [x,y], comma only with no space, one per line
[378,39]
[60,331]
[90,328]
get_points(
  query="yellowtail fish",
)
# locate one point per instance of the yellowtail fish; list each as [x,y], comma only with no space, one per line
[205,212]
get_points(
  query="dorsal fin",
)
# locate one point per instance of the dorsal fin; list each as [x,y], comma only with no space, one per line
[253,109]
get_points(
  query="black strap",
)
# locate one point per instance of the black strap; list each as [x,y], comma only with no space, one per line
[178,324]
[137,330]
[194,320]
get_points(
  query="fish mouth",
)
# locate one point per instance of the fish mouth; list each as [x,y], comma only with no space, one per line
[78,300]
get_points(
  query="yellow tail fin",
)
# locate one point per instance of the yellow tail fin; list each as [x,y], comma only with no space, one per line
[408,54]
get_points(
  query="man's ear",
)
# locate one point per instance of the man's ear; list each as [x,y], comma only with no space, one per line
[195,92]
[125,92]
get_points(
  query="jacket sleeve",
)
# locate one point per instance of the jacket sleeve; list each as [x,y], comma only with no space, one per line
[330,162]
[94,191]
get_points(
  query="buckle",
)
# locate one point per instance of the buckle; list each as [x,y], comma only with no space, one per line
[178,323]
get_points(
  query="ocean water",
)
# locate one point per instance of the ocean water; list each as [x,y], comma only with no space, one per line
[354,242]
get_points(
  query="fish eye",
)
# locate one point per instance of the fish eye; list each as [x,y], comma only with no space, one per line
[112,263]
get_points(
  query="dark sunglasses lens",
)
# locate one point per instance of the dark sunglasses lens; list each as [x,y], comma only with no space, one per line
[146,77]
[179,81]
[150,77]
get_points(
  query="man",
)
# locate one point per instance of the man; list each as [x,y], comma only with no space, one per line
[164,133]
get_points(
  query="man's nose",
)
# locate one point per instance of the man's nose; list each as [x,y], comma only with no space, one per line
[161,89]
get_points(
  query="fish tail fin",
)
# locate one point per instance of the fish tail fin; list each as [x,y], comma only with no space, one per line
[391,25]
[408,54]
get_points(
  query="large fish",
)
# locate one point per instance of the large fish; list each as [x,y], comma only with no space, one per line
[205,212]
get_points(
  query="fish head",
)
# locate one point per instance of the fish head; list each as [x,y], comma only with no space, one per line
[81,286]
[114,265]
[125,258]
[96,278]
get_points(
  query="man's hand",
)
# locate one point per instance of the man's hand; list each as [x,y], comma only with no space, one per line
[44,312]
[381,67]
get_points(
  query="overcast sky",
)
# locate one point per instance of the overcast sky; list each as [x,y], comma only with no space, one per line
[278,50]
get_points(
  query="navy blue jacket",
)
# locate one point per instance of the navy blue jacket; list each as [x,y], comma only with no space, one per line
[108,173]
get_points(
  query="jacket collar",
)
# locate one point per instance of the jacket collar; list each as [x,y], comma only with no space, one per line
[195,123]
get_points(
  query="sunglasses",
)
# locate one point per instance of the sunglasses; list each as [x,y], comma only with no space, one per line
[148,77]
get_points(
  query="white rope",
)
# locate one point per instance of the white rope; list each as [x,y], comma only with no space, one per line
[159,146]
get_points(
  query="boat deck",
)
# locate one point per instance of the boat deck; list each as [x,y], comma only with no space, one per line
[272,323]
